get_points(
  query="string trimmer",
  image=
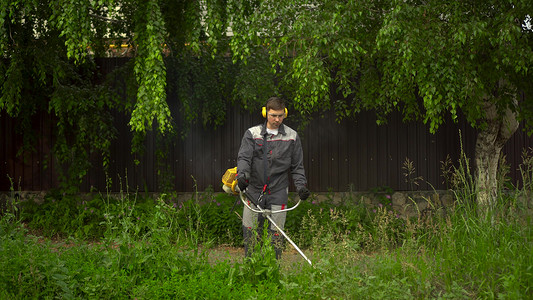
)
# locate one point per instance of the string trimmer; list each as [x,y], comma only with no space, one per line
[230,187]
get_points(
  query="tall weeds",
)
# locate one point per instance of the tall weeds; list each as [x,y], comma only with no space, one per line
[463,183]
[155,248]
[526,171]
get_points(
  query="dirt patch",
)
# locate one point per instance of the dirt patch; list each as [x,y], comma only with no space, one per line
[289,258]
[217,254]
[222,253]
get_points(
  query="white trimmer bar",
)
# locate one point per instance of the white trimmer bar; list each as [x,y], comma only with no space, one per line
[231,187]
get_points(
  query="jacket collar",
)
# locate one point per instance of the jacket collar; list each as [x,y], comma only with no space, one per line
[281,129]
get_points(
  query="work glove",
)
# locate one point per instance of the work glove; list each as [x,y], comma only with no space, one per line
[304,193]
[242,183]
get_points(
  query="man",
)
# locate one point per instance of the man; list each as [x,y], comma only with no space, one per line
[263,167]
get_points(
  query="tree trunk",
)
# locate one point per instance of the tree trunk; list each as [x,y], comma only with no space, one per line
[490,141]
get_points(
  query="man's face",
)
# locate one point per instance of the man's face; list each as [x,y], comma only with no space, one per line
[275,118]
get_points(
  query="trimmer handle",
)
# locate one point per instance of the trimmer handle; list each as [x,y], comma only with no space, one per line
[243,195]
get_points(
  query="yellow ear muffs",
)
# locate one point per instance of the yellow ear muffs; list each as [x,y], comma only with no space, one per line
[264,112]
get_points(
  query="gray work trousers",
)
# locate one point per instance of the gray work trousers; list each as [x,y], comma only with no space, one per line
[252,226]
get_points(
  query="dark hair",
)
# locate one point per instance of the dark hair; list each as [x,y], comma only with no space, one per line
[275,103]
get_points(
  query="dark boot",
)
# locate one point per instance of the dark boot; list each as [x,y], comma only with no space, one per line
[248,239]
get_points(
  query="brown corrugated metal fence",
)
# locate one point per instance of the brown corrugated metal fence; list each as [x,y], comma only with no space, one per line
[355,154]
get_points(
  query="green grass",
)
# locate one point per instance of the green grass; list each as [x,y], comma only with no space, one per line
[137,248]
[104,247]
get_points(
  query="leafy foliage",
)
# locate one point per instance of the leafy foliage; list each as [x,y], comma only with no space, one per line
[429,60]
[150,70]
[47,58]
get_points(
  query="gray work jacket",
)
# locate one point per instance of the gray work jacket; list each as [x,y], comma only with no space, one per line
[284,156]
